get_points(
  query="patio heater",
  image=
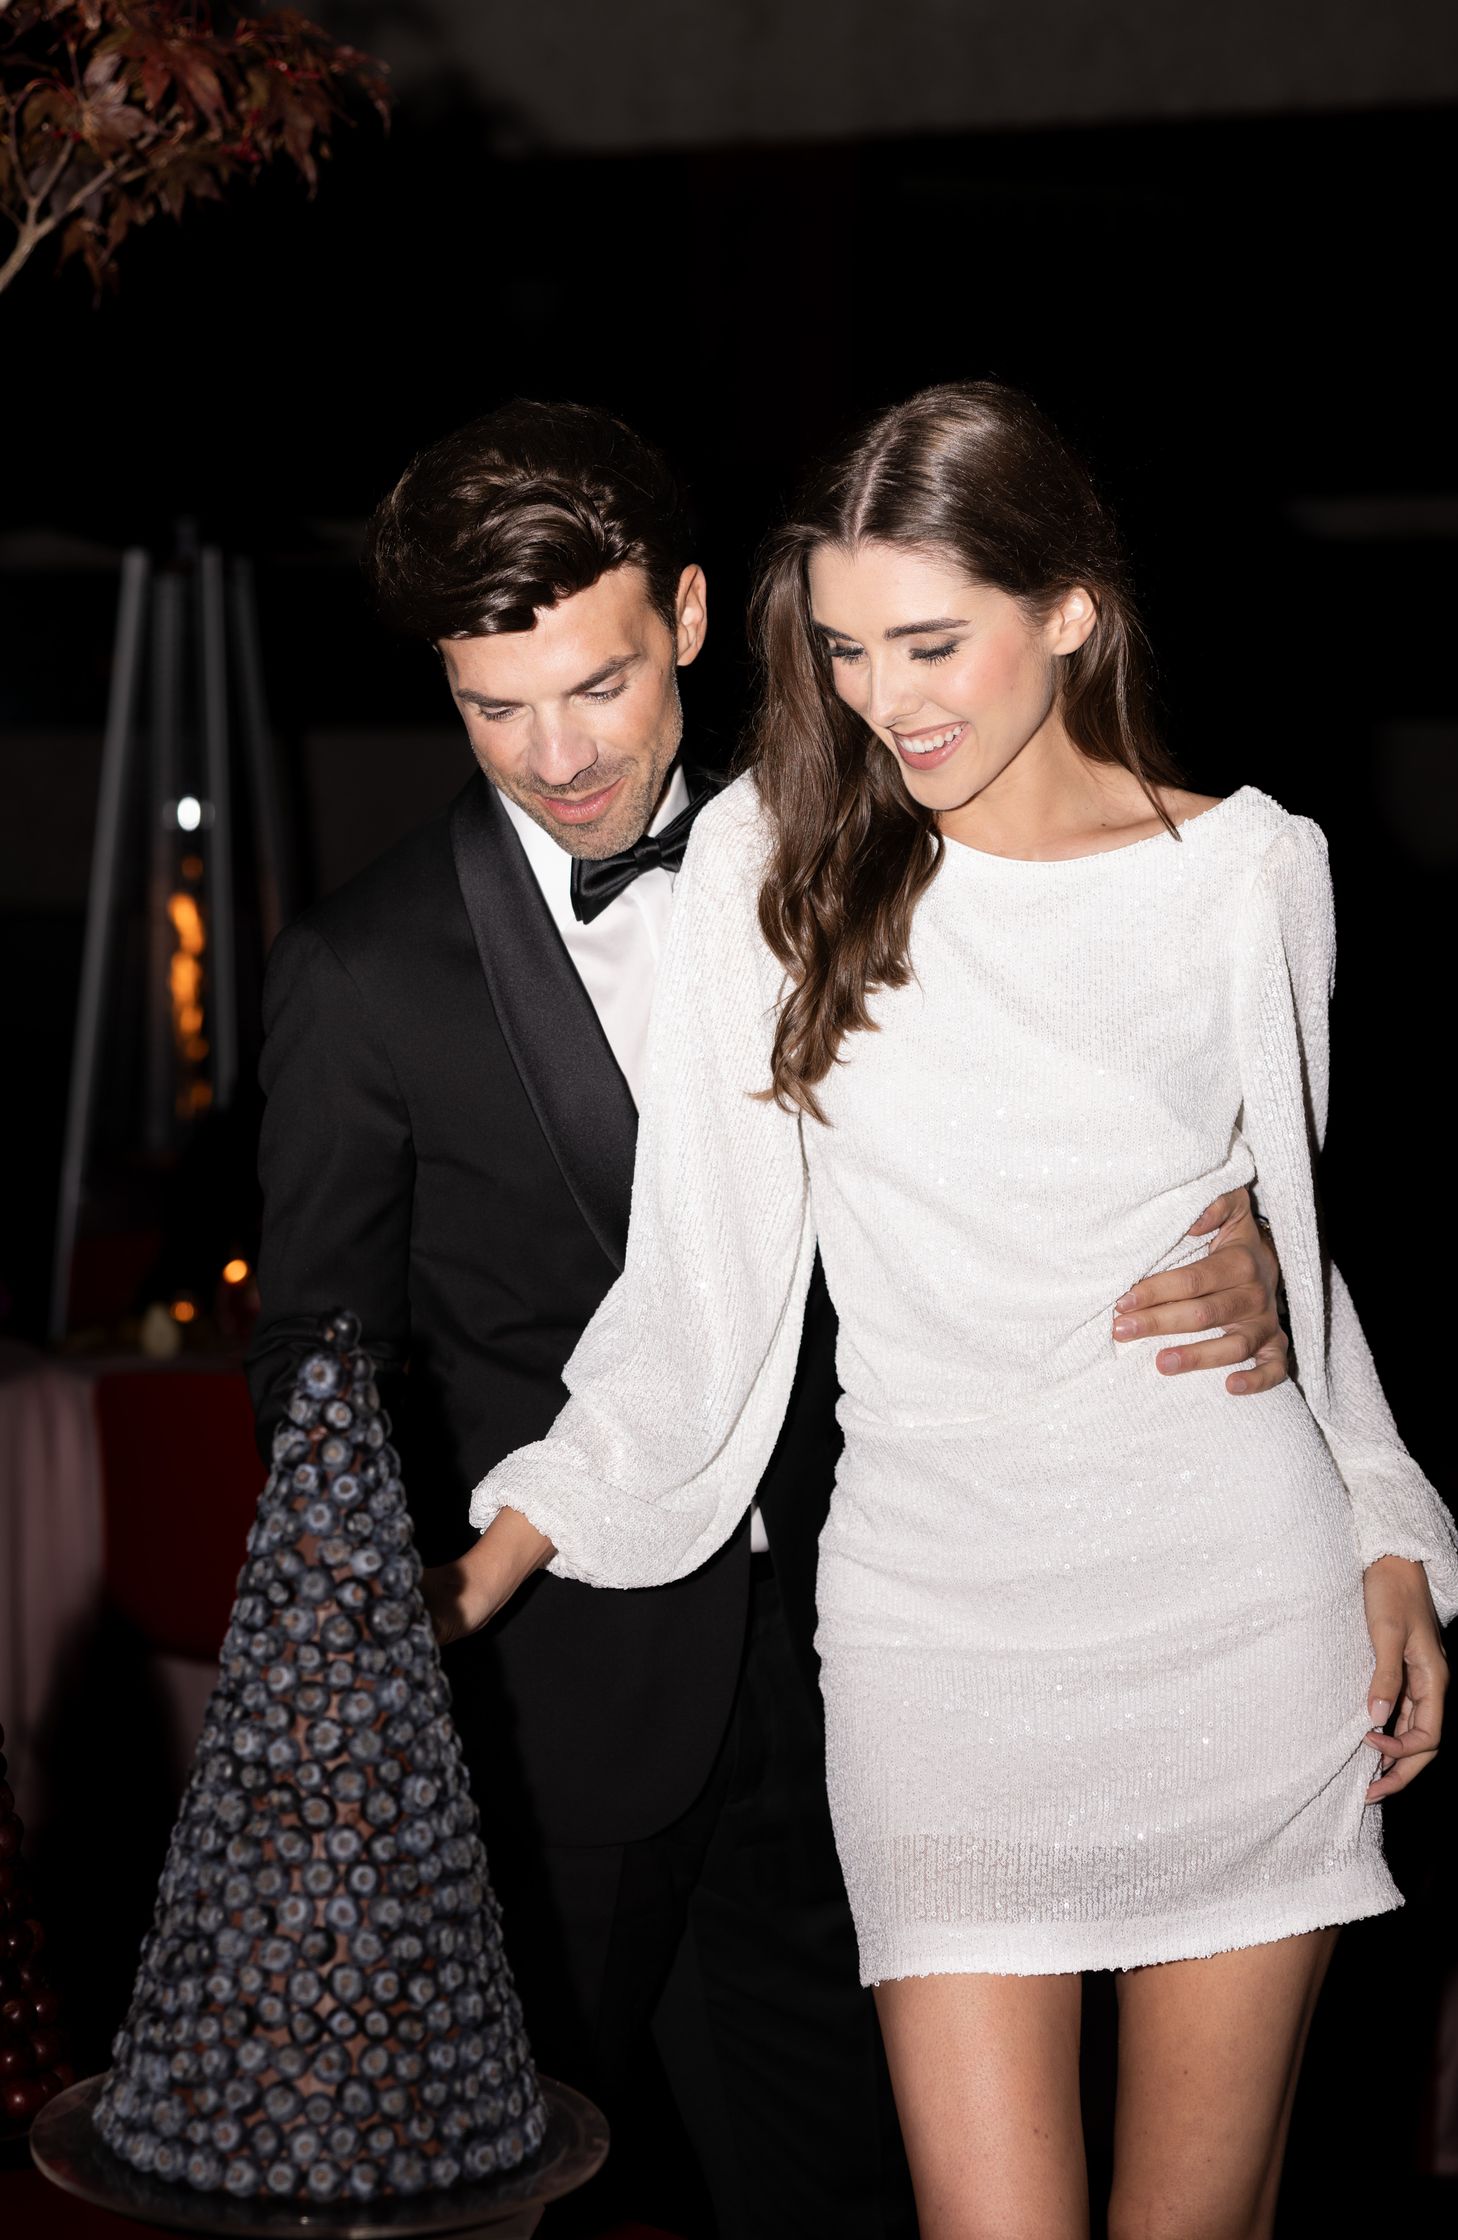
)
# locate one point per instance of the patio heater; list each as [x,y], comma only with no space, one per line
[186,691]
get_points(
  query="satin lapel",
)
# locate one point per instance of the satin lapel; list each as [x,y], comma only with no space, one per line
[566,1065]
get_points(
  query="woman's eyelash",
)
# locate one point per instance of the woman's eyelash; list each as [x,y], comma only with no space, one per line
[919,653]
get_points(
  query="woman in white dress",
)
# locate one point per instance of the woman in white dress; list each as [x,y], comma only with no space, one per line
[1114,1667]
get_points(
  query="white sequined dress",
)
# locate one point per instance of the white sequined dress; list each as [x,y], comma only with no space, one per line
[1094,1658]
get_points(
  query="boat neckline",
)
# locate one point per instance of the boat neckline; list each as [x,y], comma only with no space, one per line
[1091,855]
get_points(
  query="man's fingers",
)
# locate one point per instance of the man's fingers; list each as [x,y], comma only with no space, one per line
[1231,1206]
[1247,1303]
[1269,1368]
[1210,1353]
[1233,1267]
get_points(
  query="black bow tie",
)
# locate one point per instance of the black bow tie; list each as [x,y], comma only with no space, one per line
[596,884]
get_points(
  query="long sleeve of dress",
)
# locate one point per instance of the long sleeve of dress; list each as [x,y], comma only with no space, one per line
[680,1382]
[1285,962]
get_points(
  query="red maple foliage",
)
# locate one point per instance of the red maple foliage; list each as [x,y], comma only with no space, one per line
[114,111]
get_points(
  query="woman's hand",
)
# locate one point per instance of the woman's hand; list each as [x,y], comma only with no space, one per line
[1411,1672]
[1233,1288]
[461,1596]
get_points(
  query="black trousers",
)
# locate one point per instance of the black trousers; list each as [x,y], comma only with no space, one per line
[701,1986]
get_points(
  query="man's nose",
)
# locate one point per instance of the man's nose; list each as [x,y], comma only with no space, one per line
[561,750]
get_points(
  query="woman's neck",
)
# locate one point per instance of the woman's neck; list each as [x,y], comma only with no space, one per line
[1052,801]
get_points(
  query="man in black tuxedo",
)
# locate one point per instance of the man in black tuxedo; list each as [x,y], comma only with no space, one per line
[453,1044]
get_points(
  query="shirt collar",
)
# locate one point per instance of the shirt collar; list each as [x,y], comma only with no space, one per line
[551,863]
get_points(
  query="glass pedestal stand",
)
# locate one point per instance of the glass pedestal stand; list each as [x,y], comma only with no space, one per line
[68,2150]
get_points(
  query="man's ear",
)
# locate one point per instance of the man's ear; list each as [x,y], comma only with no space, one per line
[693,614]
[1071,619]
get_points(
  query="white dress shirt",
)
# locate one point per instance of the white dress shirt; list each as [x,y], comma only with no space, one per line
[617,955]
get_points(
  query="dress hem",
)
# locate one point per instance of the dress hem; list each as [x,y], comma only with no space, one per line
[1091,1947]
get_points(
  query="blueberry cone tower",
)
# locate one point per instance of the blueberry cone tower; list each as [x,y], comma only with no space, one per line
[323,2009]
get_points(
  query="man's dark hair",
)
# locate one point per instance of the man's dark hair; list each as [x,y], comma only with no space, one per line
[518,510]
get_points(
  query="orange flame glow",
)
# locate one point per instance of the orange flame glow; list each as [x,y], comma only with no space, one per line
[185,987]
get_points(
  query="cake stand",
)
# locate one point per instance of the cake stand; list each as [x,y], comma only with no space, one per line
[69,2151]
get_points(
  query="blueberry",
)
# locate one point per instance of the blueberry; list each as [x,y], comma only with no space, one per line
[241,2177]
[319,1517]
[320,1375]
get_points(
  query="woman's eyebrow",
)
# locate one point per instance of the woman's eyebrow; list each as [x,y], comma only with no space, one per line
[915,629]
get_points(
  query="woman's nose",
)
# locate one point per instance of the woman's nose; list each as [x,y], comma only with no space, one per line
[893,697]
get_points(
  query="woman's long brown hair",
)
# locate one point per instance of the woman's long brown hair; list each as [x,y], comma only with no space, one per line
[972,470]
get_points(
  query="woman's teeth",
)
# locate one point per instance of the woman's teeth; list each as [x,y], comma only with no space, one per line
[930,746]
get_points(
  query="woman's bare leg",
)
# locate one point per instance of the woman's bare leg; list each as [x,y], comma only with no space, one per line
[985,2071]
[1209,2054]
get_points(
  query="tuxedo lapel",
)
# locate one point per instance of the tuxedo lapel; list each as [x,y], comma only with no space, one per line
[567,1068]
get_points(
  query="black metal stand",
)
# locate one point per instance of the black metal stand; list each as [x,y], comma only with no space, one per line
[186,651]
[68,2150]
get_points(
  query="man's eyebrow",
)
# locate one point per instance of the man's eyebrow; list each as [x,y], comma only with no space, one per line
[599,676]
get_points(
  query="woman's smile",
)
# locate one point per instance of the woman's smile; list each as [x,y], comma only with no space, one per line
[928,750]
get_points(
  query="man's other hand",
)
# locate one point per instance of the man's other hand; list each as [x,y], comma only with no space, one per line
[1232,1289]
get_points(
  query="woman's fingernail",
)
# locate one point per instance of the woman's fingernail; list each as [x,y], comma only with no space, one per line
[1381,1711]
[1168,1363]
[1126,1326]
[1126,1301]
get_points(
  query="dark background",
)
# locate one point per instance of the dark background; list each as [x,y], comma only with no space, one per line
[1242,320]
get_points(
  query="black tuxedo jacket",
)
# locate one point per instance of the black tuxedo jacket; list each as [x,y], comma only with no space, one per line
[447,1151]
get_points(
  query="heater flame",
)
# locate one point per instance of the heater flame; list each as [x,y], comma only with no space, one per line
[185,988]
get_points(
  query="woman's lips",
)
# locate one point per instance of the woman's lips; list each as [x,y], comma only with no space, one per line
[941,746]
[583,808]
